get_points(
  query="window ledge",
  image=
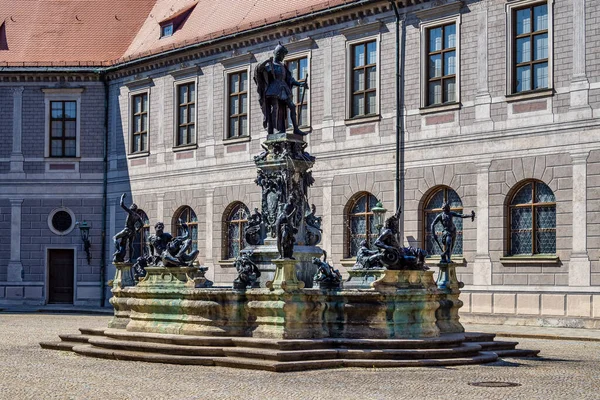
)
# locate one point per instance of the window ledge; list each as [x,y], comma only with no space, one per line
[537,259]
[138,155]
[62,159]
[435,260]
[185,147]
[348,262]
[362,120]
[239,139]
[439,108]
[226,263]
[510,98]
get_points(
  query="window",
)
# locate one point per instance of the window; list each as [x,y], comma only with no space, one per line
[187,215]
[237,89]
[299,69]
[433,207]
[61,221]
[63,129]
[186,114]
[441,61]
[361,224]
[235,223]
[532,220]
[139,126]
[140,242]
[166,30]
[363,84]
[529,49]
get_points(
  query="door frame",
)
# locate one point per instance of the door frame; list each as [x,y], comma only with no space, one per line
[47,270]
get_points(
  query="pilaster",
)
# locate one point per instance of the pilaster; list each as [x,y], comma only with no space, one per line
[579,83]
[208,251]
[326,213]
[482,268]
[209,141]
[16,157]
[15,267]
[579,264]
[483,99]
[327,123]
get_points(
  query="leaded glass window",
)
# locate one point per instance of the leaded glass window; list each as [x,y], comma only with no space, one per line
[140,242]
[433,207]
[139,125]
[236,222]
[299,70]
[442,61]
[364,79]
[237,104]
[530,48]
[63,129]
[532,214]
[361,223]
[187,215]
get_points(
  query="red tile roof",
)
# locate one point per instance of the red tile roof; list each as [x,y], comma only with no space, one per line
[107,32]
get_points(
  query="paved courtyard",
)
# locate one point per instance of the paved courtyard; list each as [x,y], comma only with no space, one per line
[565,370]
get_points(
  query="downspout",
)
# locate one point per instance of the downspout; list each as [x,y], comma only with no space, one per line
[400,53]
[104,195]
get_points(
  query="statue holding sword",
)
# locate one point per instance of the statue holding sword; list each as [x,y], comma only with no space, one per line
[448,230]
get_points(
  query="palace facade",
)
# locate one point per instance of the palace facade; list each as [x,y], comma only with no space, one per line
[154,98]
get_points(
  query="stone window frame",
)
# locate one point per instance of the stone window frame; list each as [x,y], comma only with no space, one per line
[425,211]
[510,8]
[132,94]
[350,45]
[190,223]
[142,236]
[226,221]
[307,99]
[348,221]
[177,83]
[424,28]
[226,74]
[62,94]
[73,221]
[509,206]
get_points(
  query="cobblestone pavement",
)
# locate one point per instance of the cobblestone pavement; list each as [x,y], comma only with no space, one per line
[565,370]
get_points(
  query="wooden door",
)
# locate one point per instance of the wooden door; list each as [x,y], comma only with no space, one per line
[61,266]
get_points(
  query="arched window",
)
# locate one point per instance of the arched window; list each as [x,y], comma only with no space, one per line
[187,215]
[140,242]
[236,219]
[532,217]
[433,207]
[361,223]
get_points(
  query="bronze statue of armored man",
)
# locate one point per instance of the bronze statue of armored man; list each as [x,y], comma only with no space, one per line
[274,83]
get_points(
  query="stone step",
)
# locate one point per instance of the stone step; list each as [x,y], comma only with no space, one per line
[75,338]
[465,350]
[479,337]
[481,358]
[174,349]
[92,331]
[98,352]
[517,353]
[280,355]
[276,366]
[62,345]
[183,340]
[497,345]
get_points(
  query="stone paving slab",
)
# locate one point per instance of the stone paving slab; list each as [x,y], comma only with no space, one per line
[564,370]
[536,332]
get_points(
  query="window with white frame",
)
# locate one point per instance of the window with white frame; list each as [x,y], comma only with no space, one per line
[529,46]
[237,104]
[440,49]
[363,84]
[186,114]
[63,113]
[298,67]
[139,123]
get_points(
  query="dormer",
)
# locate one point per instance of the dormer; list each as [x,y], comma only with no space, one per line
[170,24]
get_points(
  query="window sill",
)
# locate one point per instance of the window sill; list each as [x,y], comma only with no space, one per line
[226,263]
[439,108]
[62,159]
[363,119]
[185,147]
[534,94]
[239,139]
[435,260]
[537,259]
[138,155]
[348,262]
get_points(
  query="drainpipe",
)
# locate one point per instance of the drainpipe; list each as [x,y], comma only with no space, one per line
[400,53]
[104,194]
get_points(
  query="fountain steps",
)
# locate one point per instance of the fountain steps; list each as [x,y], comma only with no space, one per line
[287,355]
